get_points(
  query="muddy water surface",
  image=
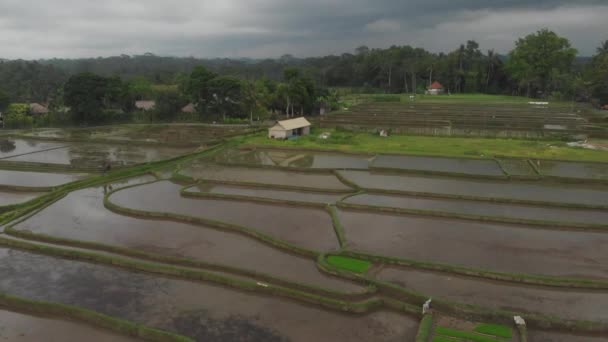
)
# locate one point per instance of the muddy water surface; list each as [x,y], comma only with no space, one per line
[545,336]
[95,155]
[305,227]
[8,198]
[82,216]
[25,328]
[296,159]
[488,209]
[12,147]
[302,196]
[488,246]
[563,303]
[517,167]
[438,164]
[37,179]
[264,176]
[531,191]
[204,312]
[572,169]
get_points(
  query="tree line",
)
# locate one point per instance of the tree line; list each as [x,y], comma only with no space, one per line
[542,65]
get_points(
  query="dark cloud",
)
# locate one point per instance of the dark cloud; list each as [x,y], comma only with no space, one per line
[270,28]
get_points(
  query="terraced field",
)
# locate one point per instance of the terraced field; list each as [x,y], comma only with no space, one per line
[229,243]
[507,120]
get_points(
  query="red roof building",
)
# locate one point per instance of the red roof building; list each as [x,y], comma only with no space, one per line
[436,85]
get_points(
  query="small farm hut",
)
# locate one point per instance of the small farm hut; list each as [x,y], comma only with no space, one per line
[435,89]
[286,129]
[38,109]
[145,105]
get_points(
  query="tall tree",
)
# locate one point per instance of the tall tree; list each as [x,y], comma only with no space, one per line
[85,94]
[538,56]
[4,101]
[198,87]
[599,74]
[226,95]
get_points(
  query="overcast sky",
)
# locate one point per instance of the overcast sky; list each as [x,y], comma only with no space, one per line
[32,29]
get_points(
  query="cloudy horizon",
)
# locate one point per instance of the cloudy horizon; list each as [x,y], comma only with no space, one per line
[35,29]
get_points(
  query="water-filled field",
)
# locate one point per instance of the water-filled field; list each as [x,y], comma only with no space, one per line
[261,245]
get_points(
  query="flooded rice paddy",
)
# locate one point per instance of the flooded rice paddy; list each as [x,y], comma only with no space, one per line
[82,216]
[294,159]
[204,171]
[485,209]
[36,179]
[10,147]
[301,196]
[596,171]
[497,247]
[26,328]
[528,191]
[9,197]
[566,304]
[438,164]
[305,227]
[86,155]
[201,311]
[517,167]
[547,336]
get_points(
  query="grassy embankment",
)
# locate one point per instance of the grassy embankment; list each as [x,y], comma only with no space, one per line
[434,146]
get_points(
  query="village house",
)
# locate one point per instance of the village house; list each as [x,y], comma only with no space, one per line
[286,129]
[435,89]
[38,109]
[145,105]
[189,108]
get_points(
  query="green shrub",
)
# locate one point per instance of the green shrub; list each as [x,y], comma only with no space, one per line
[444,339]
[349,264]
[495,330]
[386,98]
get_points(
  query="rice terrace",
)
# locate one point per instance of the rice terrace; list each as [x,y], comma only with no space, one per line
[471,221]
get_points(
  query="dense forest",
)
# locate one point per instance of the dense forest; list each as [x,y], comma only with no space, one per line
[542,65]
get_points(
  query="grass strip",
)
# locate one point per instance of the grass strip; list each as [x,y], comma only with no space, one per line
[494,330]
[93,318]
[338,228]
[425,328]
[445,339]
[465,335]
[349,264]
[197,275]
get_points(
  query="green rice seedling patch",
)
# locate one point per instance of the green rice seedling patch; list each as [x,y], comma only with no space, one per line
[465,335]
[349,264]
[494,330]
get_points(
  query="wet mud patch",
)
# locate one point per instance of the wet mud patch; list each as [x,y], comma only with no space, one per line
[438,164]
[26,328]
[82,216]
[496,247]
[178,305]
[563,303]
[529,191]
[203,171]
[295,159]
[306,227]
[9,197]
[302,196]
[485,209]
[36,179]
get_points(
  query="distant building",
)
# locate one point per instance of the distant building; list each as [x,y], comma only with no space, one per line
[435,89]
[286,129]
[38,109]
[189,108]
[145,105]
